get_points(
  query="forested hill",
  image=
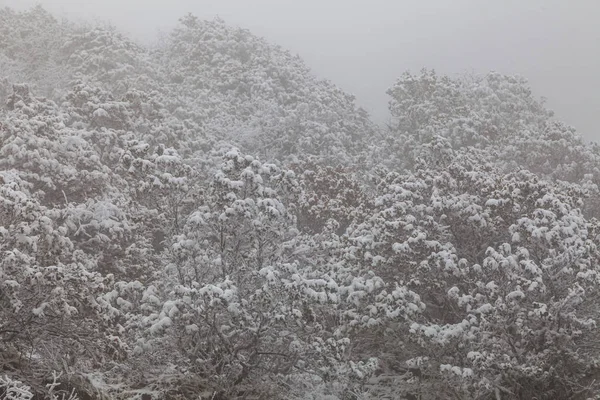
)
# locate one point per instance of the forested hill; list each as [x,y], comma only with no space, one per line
[207,219]
[207,84]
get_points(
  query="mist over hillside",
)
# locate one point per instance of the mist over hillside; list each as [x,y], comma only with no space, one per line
[207,219]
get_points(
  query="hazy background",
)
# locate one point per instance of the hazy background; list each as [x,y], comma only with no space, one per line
[362,46]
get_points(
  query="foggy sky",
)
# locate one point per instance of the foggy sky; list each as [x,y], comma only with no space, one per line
[363,46]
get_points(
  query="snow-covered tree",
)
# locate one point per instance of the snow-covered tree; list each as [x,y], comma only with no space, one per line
[506,266]
[208,219]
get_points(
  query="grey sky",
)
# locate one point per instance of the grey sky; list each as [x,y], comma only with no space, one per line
[364,45]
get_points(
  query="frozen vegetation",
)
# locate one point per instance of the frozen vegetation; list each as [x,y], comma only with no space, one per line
[208,220]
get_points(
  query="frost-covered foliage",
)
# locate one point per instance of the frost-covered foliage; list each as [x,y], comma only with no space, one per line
[208,220]
[494,114]
[260,96]
[507,269]
[29,46]
[329,196]
[207,83]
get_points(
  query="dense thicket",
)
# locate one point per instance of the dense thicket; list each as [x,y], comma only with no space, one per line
[207,219]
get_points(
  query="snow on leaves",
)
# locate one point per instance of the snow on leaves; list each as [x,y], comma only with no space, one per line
[208,219]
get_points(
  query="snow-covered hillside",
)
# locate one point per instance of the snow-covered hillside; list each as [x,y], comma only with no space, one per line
[207,219]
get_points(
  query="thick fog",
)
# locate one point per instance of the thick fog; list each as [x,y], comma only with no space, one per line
[201,216]
[363,46]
